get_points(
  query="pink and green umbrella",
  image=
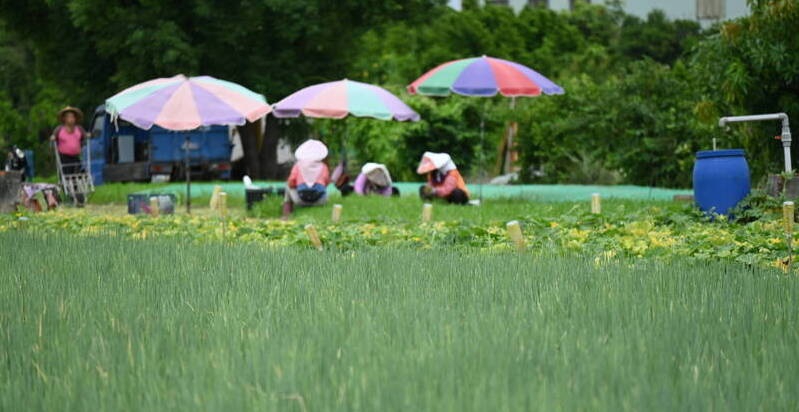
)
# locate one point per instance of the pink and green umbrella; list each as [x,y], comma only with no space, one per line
[483,77]
[183,103]
[186,103]
[342,98]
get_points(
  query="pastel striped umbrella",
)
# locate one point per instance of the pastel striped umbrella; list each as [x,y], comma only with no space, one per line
[483,76]
[183,103]
[186,103]
[342,98]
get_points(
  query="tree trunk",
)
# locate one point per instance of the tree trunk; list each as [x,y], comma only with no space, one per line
[251,139]
[268,152]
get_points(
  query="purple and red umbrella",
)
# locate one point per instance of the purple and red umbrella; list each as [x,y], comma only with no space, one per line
[341,98]
[484,77]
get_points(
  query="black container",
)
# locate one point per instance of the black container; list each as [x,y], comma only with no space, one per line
[254,195]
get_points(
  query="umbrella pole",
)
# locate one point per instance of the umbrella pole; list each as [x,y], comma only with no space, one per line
[186,147]
[482,152]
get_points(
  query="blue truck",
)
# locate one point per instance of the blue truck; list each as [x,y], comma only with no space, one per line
[122,152]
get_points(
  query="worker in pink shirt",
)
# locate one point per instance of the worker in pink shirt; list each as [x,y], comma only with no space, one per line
[309,177]
[67,137]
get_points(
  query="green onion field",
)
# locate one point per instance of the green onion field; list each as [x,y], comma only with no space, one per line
[109,324]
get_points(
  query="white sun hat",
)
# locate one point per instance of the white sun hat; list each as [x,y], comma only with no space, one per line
[435,161]
[311,150]
[377,173]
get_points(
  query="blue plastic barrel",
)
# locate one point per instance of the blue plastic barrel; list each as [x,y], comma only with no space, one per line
[721,180]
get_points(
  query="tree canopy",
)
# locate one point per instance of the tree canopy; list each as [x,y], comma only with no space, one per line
[643,94]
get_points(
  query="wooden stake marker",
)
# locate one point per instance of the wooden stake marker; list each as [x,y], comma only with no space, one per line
[222,205]
[515,234]
[427,212]
[336,216]
[214,204]
[314,236]
[155,208]
[787,217]
[788,223]
[596,204]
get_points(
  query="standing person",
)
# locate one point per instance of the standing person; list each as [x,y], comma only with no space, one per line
[375,179]
[67,137]
[307,183]
[443,179]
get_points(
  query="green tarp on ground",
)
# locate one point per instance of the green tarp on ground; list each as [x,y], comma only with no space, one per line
[529,192]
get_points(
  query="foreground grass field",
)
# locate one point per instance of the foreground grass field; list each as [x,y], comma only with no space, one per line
[109,324]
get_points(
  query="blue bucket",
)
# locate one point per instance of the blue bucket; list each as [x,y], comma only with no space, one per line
[721,180]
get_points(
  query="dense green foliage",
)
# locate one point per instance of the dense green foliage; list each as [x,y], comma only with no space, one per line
[106,324]
[642,94]
[612,113]
[752,66]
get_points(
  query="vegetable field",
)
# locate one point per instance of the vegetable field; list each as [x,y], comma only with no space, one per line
[635,229]
[101,323]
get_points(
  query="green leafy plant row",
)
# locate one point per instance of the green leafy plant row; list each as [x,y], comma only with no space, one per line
[625,229]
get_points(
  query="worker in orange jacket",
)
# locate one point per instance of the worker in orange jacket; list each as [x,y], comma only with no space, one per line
[443,179]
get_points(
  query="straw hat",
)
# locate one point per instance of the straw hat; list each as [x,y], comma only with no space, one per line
[77,112]
[311,150]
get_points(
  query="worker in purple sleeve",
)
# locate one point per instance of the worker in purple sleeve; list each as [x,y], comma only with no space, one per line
[375,179]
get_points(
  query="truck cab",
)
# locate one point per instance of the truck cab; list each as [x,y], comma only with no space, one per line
[122,152]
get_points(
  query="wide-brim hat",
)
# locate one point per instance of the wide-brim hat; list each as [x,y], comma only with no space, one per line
[432,161]
[78,114]
[311,150]
[377,173]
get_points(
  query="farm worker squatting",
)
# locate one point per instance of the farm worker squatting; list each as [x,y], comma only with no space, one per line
[375,179]
[443,179]
[307,183]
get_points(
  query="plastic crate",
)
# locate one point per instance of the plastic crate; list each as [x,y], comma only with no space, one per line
[140,203]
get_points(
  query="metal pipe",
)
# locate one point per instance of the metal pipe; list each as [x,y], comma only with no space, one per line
[753,118]
[786,130]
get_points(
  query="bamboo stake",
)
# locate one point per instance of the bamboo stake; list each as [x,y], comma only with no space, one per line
[336,216]
[155,208]
[314,236]
[222,205]
[427,212]
[596,204]
[515,234]
[788,222]
[214,204]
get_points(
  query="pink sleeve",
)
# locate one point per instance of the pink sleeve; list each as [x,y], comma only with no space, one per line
[295,173]
[449,184]
[360,184]
[324,177]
